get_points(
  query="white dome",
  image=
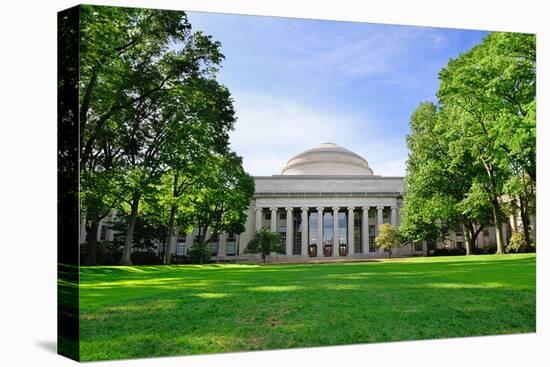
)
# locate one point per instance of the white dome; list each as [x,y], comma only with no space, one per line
[328,159]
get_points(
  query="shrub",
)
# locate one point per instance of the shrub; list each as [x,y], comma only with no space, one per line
[199,254]
[179,259]
[448,252]
[107,253]
[518,244]
[145,258]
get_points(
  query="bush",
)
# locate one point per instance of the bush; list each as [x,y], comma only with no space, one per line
[448,252]
[146,258]
[518,244]
[199,254]
[107,253]
[179,259]
[491,249]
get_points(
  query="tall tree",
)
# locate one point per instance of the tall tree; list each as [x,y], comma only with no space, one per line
[222,197]
[438,182]
[491,87]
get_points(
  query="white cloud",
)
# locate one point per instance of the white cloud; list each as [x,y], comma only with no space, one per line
[272,129]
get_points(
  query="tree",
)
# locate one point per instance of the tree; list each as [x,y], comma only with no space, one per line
[388,238]
[473,154]
[111,40]
[264,242]
[438,183]
[222,196]
[208,113]
[491,90]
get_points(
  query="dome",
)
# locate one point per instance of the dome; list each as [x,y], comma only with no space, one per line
[328,159]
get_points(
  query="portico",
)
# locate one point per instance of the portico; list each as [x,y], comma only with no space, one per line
[327,203]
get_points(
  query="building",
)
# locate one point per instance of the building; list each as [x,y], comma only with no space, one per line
[327,203]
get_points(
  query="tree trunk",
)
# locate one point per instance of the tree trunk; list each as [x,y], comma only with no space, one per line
[237,245]
[524,213]
[471,237]
[126,252]
[468,236]
[498,226]
[170,234]
[91,248]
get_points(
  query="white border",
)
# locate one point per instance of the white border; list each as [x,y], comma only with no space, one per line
[28,187]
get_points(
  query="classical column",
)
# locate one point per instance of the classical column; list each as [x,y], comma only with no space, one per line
[289,231]
[365,229]
[273,220]
[335,232]
[320,231]
[505,233]
[351,239]
[304,232]
[258,218]
[380,210]
[222,244]
[189,238]
[394,216]
[380,217]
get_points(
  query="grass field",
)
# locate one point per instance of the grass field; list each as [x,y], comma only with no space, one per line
[129,312]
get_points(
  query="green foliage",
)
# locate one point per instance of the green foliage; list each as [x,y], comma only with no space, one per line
[387,238]
[477,145]
[152,116]
[518,244]
[264,242]
[220,199]
[108,253]
[199,254]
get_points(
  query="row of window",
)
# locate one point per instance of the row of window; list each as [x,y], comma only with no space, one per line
[214,243]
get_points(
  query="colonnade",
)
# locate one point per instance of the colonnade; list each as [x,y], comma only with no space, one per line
[320,211]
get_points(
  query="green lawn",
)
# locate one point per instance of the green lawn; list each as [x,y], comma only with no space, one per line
[141,311]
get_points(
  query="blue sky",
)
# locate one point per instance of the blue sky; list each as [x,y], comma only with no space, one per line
[297,83]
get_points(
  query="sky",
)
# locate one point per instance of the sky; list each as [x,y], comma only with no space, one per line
[297,83]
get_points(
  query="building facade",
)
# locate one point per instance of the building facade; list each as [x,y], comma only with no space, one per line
[326,204]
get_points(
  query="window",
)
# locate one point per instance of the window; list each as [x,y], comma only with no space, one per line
[372,237]
[214,244]
[371,214]
[267,215]
[486,233]
[230,244]
[162,248]
[282,215]
[357,232]
[418,246]
[180,246]
[103,235]
[282,234]
[313,229]
[385,214]
[327,228]
[343,228]
[459,244]
[297,233]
